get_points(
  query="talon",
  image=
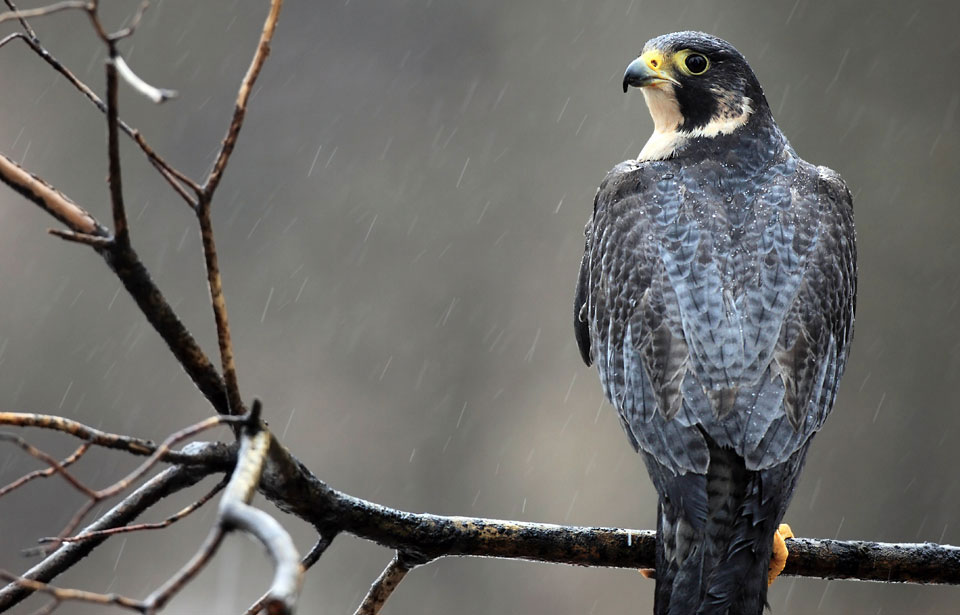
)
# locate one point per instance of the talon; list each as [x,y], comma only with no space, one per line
[648,573]
[780,552]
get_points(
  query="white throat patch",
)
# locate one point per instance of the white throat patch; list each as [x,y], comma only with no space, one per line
[667,138]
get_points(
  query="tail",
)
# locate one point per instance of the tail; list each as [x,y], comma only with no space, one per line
[717,564]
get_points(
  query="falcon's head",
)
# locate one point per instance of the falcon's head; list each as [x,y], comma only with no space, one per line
[695,85]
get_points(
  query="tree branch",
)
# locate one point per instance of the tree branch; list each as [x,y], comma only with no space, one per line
[76,595]
[49,199]
[50,471]
[205,198]
[177,180]
[236,514]
[139,527]
[293,488]
[130,444]
[384,585]
[167,482]
[243,96]
[44,10]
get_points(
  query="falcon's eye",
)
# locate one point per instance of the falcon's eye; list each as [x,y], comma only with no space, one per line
[696,63]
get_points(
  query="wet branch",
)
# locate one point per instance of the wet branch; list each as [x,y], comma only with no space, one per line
[139,527]
[180,182]
[160,486]
[50,471]
[203,207]
[384,586]
[235,513]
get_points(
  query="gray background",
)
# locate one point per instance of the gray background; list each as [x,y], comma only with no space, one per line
[400,231]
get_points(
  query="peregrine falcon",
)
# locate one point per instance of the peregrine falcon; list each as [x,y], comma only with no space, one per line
[716,296]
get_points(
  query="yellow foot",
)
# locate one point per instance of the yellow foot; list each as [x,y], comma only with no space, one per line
[648,573]
[779,558]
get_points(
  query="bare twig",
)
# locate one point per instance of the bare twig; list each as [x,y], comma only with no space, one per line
[75,595]
[311,558]
[55,465]
[23,20]
[236,513]
[204,554]
[90,435]
[44,10]
[219,303]
[167,482]
[205,197]
[146,526]
[243,96]
[124,483]
[177,180]
[48,608]
[131,27]
[94,241]
[77,454]
[95,497]
[383,587]
[49,198]
[126,264]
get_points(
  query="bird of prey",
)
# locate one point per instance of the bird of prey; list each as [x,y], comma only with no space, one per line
[716,296]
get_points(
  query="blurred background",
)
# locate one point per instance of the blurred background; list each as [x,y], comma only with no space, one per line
[399,233]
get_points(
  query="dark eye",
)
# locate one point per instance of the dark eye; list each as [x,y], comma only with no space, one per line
[696,64]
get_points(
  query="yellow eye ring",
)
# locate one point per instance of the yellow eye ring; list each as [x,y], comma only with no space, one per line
[692,63]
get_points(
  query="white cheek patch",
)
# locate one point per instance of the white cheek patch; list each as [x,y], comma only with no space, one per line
[664,108]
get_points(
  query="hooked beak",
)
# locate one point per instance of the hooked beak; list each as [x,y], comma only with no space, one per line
[641,74]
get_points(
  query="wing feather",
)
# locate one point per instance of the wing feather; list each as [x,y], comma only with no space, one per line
[706,321]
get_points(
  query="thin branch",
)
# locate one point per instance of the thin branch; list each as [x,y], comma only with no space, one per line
[126,264]
[77,454]
[160,486]
[131,27]
[49,198]
[94,497]
[219,304]
[124,483]
[177,180]
[383,587]
[121,231]
[50,461]
[243,96]
[138,527]
[94,241]
[237,514]
[6,39]
[162,450]
[205,197]
[23,20]
[204,554]
[75,595]
[311,558]
[48,608]
[44,10]
[88,434]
